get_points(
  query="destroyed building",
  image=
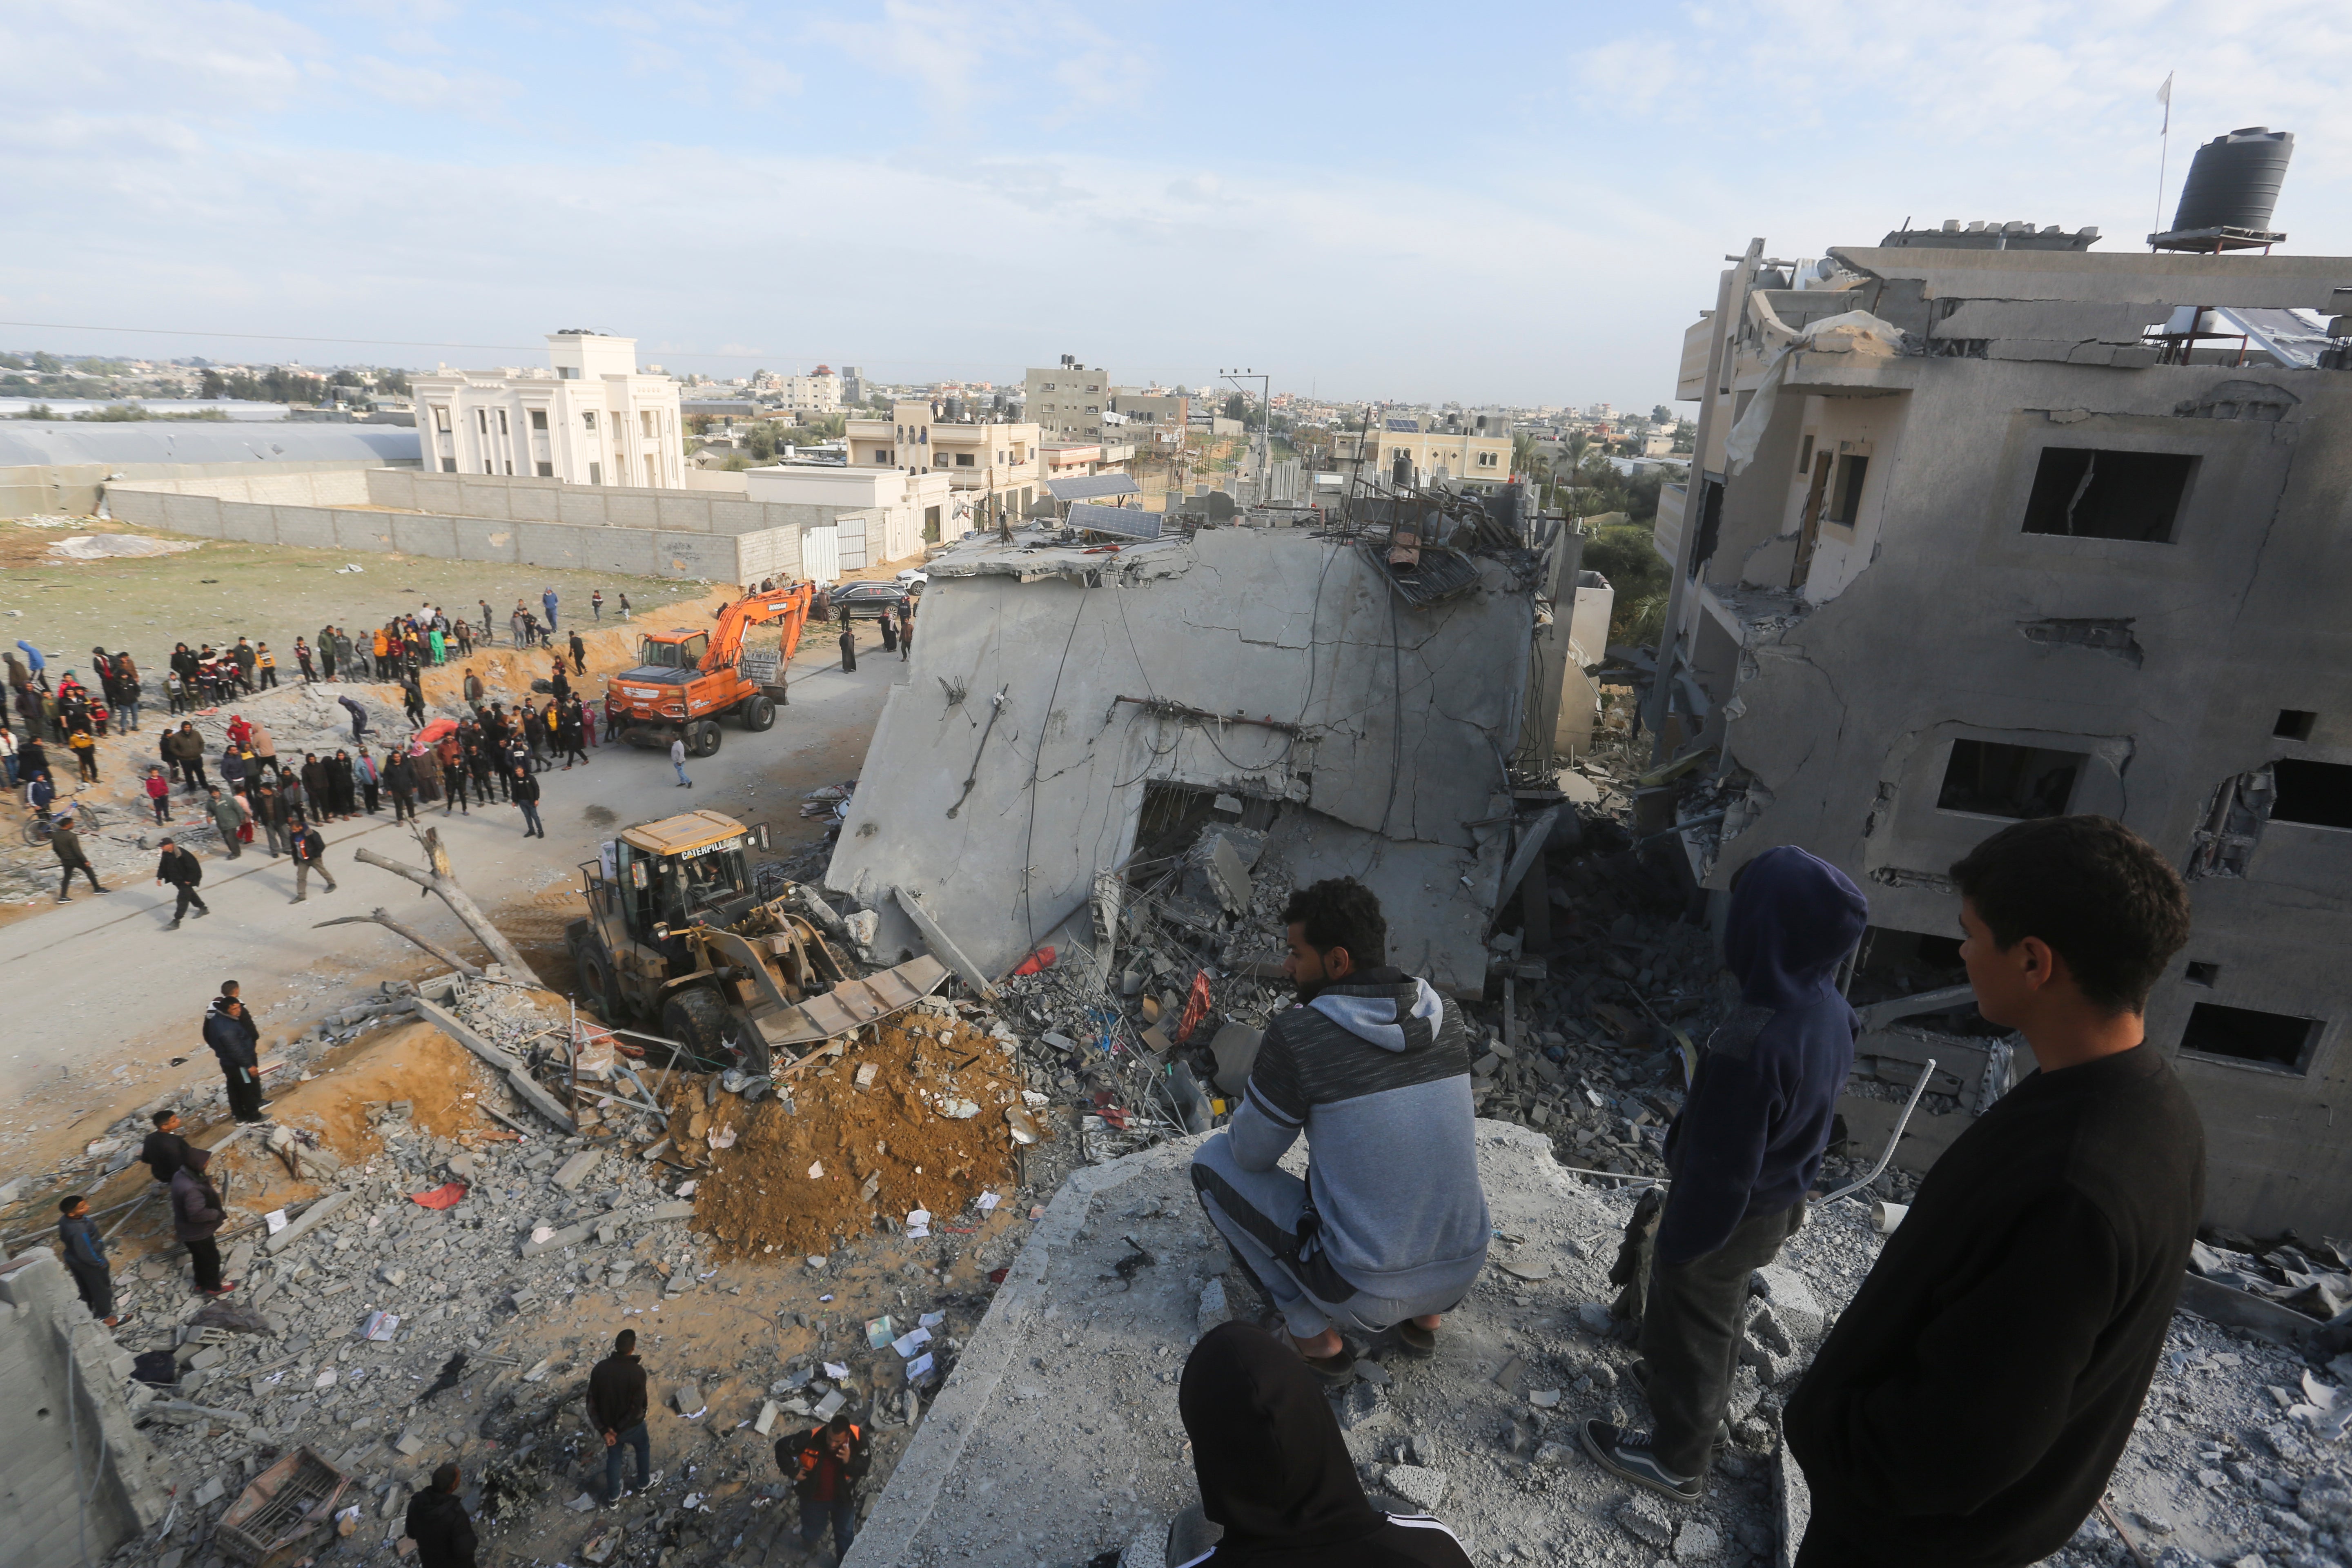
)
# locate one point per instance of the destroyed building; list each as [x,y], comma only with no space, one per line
[1989,526]
[1077,709]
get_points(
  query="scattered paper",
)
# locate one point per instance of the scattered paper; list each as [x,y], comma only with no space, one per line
[907,1343]
[382,1326]
[816,1171]
[920,1368]
[932,1319]
[879,1332]
[833,1369]
[276,1220]
[723,1139]
[918,1217]
[988,1202]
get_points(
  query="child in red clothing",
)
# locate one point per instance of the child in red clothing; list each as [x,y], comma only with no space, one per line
[159,794]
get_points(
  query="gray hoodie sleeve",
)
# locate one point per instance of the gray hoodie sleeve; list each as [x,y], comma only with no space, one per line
[1273,1111]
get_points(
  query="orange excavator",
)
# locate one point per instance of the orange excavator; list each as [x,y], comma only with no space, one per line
[685,680]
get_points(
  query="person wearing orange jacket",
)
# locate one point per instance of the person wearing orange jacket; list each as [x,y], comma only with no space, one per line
[826,1463]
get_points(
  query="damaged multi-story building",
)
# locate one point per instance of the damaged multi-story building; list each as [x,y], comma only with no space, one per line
[1989,525]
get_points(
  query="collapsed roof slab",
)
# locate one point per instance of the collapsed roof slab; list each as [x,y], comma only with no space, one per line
[1052,687]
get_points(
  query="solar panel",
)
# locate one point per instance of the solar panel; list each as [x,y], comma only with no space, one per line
[1090,486]
[1130,522]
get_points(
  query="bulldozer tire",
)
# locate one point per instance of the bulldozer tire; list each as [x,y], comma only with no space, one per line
[758,713]
[596,979]
[696,1019]
[702,738]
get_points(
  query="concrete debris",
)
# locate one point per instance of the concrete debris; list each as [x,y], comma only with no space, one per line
[1417,1484]
[1645,1519]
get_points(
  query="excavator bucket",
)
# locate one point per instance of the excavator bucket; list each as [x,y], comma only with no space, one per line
[853,1004]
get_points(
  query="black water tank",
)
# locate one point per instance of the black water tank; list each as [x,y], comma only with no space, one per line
[2235,180]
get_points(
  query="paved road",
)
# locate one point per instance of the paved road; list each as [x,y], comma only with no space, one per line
[108,989]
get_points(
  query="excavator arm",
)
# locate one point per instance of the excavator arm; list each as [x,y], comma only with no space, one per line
[790,606]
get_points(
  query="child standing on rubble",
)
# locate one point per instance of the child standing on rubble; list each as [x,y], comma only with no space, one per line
[1748,1144]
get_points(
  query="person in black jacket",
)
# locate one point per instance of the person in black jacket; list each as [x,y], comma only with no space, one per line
[1748,1143]
[1972,1402]
[164,1151]
[235,1042]
[86,1258]
[825,1464]
[183,871]
[437,1523]
[310,855]
[1277,1486]
[525,793]
[617,1408]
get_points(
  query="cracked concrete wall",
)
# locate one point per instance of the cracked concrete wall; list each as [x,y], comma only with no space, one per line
[1000,815]
[2168,664]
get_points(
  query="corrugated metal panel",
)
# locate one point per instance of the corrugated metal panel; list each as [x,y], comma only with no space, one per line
[1090,487]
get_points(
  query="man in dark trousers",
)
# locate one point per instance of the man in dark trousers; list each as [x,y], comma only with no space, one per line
[1748,1144]
[579,655]
[1972,1402]
[1373,1062]
[616,1408]
[825,1464]
[86,1258]
[164,1150]
[437,1523]
[524,792]
[848,645]
[235,1042]
[181,870]
[65,845]
[196,1216]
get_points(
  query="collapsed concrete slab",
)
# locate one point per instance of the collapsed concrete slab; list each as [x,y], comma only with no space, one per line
[1059,696]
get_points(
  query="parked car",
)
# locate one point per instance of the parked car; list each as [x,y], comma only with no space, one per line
[870,601]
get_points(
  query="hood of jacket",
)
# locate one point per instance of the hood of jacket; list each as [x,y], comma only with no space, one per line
[1395,1011]
[1794,917]
[1266,1449]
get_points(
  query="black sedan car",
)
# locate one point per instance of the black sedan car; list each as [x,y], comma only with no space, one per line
[869,600]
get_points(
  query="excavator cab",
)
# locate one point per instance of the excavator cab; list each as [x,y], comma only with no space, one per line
[670,651]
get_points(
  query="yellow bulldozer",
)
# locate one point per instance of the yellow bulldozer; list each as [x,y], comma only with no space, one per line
[678,937]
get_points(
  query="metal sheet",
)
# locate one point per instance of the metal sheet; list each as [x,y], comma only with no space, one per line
[1088,487]
[854,1003]
[1128,522]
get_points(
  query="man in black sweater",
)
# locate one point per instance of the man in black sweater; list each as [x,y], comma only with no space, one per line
[616,1407]
[1748,1143]
[1972,1401]
[437,1523]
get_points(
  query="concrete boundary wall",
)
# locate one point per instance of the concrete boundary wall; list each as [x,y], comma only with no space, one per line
[726,556]
[75,487]
[521,500]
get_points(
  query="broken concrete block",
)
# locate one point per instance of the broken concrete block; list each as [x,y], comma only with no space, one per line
[1594,1319]
[410,1443]
[1418,1484]
[687,1401]
[1551,1454]
[1644,1519]
[209,1493]
[1235,1049]
[1213,1309]
[1361,1406]
[1797,1308]
[768,1413]
[312,1218]
[865,1076]
[555,1240]
[1229,877]
[677,1208]
[1697,1542]
[575,1171]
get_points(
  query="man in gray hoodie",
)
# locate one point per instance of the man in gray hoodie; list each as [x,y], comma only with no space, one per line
[1390,1228]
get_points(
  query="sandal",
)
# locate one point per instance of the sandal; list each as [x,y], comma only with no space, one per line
[1339,1369]
[1416,1340]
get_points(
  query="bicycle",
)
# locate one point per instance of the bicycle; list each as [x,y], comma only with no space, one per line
[43,825]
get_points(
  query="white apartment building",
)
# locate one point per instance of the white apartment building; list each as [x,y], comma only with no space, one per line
[592,418]
[818,394]
[994,466]
[1067,403]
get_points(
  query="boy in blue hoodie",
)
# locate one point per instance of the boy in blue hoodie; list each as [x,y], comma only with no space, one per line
[1748,1144]
[1390,1228]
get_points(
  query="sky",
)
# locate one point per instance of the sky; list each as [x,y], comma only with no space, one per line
[1506,204]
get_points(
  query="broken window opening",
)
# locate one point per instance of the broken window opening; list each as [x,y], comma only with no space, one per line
[2233,824]
[2276,1040]
[2084,493]
[2205,975]
[2295,724]
[1846,506]
[2317,795]
[1989,778]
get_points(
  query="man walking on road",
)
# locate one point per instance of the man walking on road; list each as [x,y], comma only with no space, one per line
[86,1258]
[310,855]
[183,871]
[65,845]
[616,1408]
[525,794]
[848,646]
[229,819]
[1748,1144]
[678,761]
[1970,1404]
[235,1043]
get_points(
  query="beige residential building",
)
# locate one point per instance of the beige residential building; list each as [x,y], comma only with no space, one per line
[1476,450]
[994,466]
[590,419]
[1067,403]
[1155,423]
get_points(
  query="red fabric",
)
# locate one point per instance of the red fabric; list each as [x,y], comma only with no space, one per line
[434,732]
[441,1197]
[1043,959]
[1196,1007]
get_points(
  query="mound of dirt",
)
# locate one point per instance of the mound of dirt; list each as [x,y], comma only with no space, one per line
[877,1151]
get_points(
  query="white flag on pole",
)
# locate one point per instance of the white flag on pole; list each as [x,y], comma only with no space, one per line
[2164,97]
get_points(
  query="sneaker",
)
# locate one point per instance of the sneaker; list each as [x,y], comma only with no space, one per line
[1628,1454]
[1416,1340]
[173,926]
[202,910]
